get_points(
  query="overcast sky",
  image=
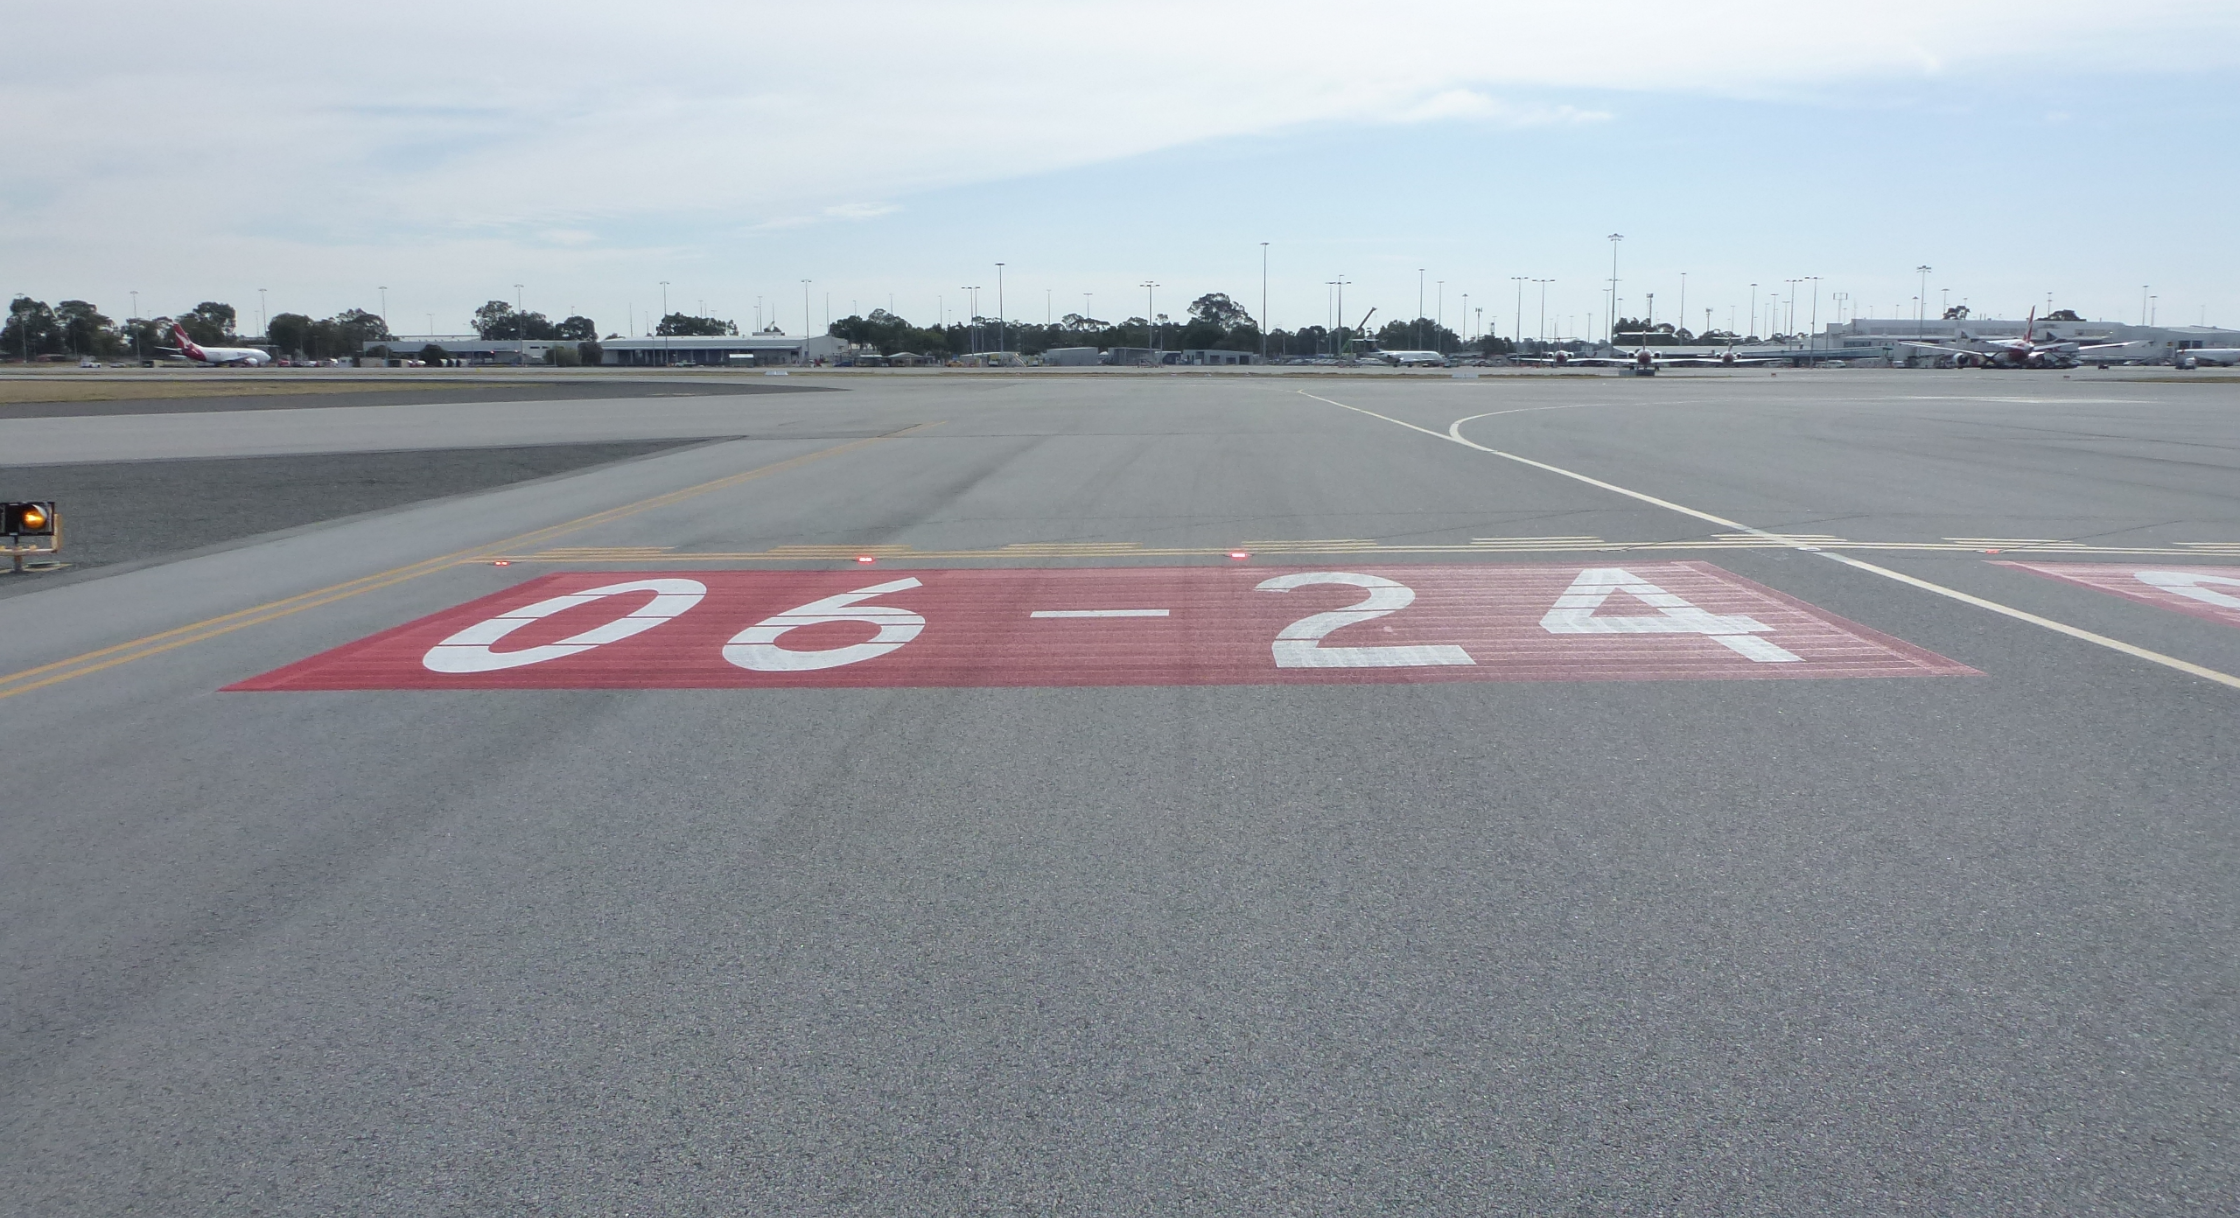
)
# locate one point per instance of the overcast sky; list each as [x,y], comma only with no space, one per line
[899,151]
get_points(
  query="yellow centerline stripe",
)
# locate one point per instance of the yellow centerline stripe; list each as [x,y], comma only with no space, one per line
[195,632]
[1454,434]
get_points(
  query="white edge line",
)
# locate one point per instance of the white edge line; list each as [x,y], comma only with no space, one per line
[1098,613]
[2188,667]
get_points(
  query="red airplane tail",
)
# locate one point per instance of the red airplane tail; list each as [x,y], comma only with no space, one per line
[187,345]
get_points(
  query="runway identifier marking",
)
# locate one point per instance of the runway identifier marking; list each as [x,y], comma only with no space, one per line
[964,627]
[1454,434]
[102,659]
[2204,592]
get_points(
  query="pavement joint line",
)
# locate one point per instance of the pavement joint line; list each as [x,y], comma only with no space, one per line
[1806,542]
[87,663]
[1454,434]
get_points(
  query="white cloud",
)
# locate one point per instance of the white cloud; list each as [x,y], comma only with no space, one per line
[570,126]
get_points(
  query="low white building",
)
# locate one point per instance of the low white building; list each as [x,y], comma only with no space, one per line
[720,350]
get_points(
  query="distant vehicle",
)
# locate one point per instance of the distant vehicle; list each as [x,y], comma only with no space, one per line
[89,363]
[237,357]
[2215,357]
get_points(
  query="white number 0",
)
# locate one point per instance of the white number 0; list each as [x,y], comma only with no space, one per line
[469,650]
[1299,644]
[757,648]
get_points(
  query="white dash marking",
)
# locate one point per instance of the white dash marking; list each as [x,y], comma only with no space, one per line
[1098,613]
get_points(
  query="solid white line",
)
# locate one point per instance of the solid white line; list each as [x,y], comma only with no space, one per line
[1454,434]
[1098,613]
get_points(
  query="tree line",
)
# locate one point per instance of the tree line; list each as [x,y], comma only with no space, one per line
[1215,321]
[77,329]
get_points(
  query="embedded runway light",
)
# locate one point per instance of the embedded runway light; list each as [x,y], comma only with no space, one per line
[866,558]
[1239,554]
[502,562]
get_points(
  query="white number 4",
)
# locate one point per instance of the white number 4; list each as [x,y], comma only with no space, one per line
[1575,614]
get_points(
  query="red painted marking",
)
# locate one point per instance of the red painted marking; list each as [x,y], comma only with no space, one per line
[2203,592]
[1220,630]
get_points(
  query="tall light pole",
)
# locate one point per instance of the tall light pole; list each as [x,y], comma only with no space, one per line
[136,329]
[521,325]
[1466,314]
[1150,316]
[1683,313]
[1812,330]
[1753,308]
[1264,302]
[804,321]
[2143,303]
[999,306]
[1518,329]
[1439,319]
[1543,308]
[1615,238]
[1481,324]
[384,290]
[1419,308]
[1921,302]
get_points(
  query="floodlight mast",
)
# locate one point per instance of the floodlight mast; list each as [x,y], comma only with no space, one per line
[1615,238]
[1263,302]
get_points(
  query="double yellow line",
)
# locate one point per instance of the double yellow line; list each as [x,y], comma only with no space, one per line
[209,628]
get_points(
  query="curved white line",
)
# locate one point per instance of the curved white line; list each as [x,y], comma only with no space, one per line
[2129,649]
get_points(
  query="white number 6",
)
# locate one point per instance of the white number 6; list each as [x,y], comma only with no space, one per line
[757,648]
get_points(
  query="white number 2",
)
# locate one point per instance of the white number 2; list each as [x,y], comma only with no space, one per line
[1298,645]
[757,648]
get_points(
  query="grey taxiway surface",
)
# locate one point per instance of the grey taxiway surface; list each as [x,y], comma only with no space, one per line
[1949,944]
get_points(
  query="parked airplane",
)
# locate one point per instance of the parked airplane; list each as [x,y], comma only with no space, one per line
[2194,357]
[1411,359]
[249,357]
[2023,352]
[1645,362]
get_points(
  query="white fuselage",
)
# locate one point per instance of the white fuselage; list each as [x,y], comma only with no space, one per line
[2194,357]
[229,355]
[194,353]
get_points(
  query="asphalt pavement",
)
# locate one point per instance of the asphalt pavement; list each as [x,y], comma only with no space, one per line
[741,908]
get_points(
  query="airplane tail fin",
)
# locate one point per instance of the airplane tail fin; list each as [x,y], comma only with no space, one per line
[2030,328]
[187,345]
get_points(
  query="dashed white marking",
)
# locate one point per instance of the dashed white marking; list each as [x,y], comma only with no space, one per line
[1098,613]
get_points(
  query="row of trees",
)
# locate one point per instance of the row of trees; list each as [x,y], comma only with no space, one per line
[76,329]
[499,320]
[1215,322]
